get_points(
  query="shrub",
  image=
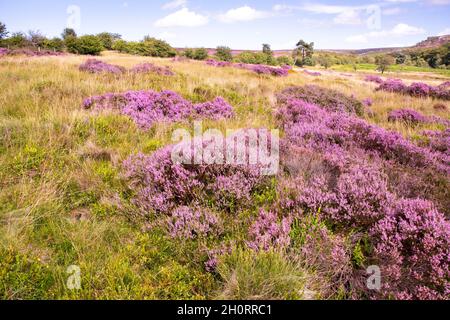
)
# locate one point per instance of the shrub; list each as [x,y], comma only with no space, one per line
[285,60]
[329,99]
[408,116]
[162,185]
[97,66]
[344,172]
[224,54]
[372,78]
[267,232]
[87,45]
[196,54]
[412,242]
[189,223]
[148,107]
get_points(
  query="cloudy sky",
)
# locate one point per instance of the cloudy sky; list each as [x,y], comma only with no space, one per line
[240,24]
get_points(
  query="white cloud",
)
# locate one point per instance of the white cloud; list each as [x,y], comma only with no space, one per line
[183,18]
[174,4]
[401,29]
[244,13]
[439,2]
[348,17]
[444,32]
[391,11]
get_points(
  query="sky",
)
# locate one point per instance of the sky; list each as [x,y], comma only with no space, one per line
[239,24]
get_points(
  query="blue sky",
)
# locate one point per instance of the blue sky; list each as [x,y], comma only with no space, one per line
[240,24]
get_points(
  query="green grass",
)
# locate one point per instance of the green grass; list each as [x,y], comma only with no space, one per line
[393,68]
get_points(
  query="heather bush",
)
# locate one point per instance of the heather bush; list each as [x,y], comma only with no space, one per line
[368,102]
[161,185]
[4,52]
[97,66]
[416,89]
[392,85]
[412,243]
[148,107]
[326,98]
[256,68]
[372,78]
[267,232]
[338,166]
[193,222]
[151,68]
[217,63]
[408,116]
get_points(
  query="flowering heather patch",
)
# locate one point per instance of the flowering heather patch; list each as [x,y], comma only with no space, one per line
[326,98]
[162,185]
[439,141]
[322,130]
[268,70]
[312,73]
[392,85]
[97,66]
[344,176]
[148,107]
[190,223]
[413,244]
[416,89]
[408,116]
[4,52]
[368,102]
[151,68]
[257,68]
[29,52]
[372,78]
[269,232]
[216,109]
[216,63]
[413,117]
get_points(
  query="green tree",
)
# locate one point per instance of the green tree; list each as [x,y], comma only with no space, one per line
[224,53]
[324,61]
[36,38]
[303,53]
[383,63]
[3,31]
[107,39]
[16,40]
[267,50]
[68,32]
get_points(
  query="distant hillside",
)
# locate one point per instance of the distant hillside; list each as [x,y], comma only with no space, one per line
[433,42]
[430,42]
